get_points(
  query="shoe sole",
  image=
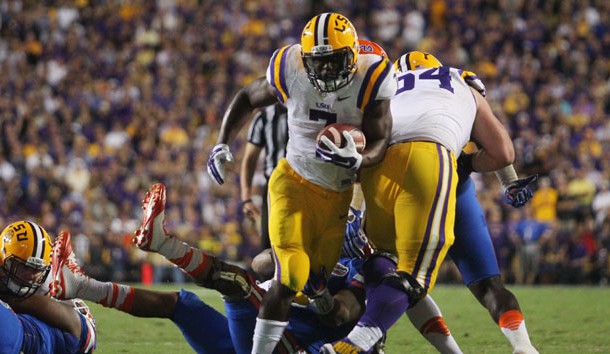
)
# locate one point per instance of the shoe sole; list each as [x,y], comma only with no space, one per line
[153,205]
[60,253]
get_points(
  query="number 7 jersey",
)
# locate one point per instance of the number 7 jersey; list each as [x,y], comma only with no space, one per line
[310,110]
[433,104]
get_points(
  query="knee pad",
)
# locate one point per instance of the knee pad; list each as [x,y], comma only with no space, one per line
[377,265]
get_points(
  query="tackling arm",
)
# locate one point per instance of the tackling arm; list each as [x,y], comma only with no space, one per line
[348,307]
[55,313]
[497,149]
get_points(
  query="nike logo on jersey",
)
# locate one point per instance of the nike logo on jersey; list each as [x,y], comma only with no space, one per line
[343,98]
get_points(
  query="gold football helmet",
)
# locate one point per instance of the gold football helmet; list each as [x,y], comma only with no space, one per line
[25,258]
[329,49]
[416,60]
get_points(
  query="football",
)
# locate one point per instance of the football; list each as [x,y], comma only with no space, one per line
[334,132]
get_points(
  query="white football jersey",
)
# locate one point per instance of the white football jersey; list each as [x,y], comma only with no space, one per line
[433,105]
[310,110]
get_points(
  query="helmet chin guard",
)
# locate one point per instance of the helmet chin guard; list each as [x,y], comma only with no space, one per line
[329,50]
[25,258]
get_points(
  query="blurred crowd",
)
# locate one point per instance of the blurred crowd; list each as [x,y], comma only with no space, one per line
[100,99]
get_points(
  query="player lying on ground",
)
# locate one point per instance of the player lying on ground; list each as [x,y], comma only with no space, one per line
[241,293]
[31,322]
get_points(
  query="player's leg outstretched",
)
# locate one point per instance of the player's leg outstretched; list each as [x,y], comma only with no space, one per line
[206,270]
[69,281]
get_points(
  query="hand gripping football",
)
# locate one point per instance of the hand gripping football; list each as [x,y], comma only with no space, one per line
[334,132]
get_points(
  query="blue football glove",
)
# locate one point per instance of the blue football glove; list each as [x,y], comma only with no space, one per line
[520,192]
[356,244]
[219,156]
[347,157]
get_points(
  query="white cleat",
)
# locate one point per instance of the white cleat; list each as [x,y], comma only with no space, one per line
[67,277]
[151,234]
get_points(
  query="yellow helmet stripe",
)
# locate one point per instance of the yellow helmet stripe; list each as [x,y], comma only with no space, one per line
[375,75]
[38,246]
[278,76]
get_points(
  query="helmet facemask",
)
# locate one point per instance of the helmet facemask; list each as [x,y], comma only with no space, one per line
[25,258]
[329,51]
[331,71]
[23,278]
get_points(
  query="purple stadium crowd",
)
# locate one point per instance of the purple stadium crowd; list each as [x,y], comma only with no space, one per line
[100,99]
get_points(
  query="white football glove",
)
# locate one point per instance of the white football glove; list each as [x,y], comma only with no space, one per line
[347,157]
[219,156]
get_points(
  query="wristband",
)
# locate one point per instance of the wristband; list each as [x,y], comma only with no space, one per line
[244,202]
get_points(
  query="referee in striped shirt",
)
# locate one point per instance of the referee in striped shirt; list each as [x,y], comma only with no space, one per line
[268,130]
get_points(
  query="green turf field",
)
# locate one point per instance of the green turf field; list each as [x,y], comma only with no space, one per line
[559,319]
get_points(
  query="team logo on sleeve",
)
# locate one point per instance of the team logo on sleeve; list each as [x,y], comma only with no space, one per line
[340,270]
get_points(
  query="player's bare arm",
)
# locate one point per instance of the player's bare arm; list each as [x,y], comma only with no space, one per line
[376,125]
[55,313]
[256,94]
[497,149]
[248,167]
[348,307]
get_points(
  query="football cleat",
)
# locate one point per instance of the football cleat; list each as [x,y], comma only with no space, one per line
[68,277]
[344,346]
[151,235]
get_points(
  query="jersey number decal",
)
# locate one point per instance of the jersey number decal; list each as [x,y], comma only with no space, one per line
[406,82]
[317,115]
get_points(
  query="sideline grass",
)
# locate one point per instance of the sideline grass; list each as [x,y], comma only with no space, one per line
[560,320]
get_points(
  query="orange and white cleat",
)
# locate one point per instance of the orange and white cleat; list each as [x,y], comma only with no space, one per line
[151,235]
[67,276]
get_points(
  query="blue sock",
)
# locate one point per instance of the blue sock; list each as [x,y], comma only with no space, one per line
[204,328]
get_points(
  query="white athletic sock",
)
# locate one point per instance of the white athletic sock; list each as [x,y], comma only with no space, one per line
[427,317]
[191,260]
[267,333]
[107,294]
[365,337]
[513,327]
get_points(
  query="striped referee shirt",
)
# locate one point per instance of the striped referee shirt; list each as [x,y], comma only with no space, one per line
[269,129]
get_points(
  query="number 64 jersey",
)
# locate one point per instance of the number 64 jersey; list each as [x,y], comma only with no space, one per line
[433,104]
[310,110]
